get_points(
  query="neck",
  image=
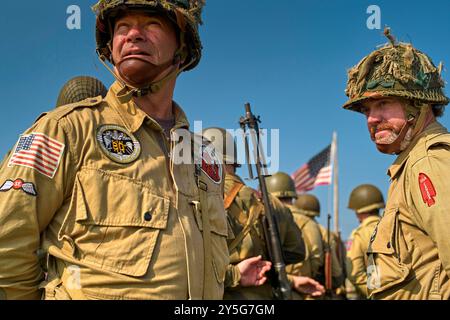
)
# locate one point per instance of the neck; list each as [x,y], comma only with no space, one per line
[428,120]
[364,216]
[230,169]
[158,105]
[287,201]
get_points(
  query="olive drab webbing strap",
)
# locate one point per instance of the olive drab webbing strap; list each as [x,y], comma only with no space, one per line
[230,196]
[208,263]
[253,215]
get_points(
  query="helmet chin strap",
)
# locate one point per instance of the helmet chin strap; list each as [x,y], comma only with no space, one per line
[395,146]
[129,91]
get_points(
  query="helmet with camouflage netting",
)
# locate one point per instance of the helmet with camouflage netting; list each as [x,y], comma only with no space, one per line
[395,70]
[366,198]
[186,14]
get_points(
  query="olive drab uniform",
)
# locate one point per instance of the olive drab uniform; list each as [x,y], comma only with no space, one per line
[409,252]
[244,215]
[357,254]
[117,216]
[313,243]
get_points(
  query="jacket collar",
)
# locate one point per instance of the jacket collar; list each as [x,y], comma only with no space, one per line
[133,117]
[430,132]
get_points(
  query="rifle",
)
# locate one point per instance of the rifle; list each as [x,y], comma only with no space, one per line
[280,283]
[328,261]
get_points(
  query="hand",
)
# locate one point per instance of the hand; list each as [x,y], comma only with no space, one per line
[308,286]
[253,271]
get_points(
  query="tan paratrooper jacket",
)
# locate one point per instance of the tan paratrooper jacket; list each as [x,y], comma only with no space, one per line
[409,252]
[244,218]
[314,246]
[357,254]
[101,192]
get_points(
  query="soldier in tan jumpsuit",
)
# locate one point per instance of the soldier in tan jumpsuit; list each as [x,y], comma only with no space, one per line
[366,200]
[245,211]
[100,186]
[309,205]
[399,89]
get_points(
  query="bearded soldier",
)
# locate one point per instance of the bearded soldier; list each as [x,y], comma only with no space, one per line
[400,91]
[366,200]
[98,186]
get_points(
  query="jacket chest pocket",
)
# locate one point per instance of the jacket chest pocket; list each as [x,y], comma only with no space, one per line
[113,222]
[385,268]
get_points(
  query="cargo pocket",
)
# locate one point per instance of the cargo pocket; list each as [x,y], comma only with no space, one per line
[54,290]
[219,236]
[219,232]
[385,268]
[113,222]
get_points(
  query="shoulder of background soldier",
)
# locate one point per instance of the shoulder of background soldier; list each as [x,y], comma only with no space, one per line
[63,111]
[246,197]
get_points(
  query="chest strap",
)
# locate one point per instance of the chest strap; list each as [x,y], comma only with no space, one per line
[230,196]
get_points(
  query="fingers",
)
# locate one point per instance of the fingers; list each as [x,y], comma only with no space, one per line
[254,259]
[260,281]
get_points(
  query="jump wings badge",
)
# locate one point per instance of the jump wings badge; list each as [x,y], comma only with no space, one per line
[19,184]
[118,144]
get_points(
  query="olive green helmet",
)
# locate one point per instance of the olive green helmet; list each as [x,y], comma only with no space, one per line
[224,142]
[395,70]
[308,204]
[281,185]
[365,198]
[186,14]
[80,88]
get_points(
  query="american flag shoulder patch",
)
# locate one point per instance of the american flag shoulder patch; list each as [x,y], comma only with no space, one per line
[39,152]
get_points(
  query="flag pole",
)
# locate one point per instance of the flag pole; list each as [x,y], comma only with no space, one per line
[334,152]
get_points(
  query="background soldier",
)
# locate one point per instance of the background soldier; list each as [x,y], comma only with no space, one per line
[245,211]
[309,205]
[80,88]
[97,185]
[282,186]
[75,90]
[366,200]
[399,90]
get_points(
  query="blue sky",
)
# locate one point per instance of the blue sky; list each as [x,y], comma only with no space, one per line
[288,58]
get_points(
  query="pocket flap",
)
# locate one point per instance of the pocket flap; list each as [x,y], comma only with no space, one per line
[111,200]
[382,240]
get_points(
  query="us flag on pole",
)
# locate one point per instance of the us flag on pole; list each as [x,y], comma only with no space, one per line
[39,152]
[317,172]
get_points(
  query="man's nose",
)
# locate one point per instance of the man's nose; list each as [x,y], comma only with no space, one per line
[373,116]
[135,34]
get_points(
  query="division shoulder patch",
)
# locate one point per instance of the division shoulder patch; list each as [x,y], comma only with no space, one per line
[427,190]
[210,164]
[39,152]
[19,184]
[118,144]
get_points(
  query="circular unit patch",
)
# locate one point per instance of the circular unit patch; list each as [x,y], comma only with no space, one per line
[118,144]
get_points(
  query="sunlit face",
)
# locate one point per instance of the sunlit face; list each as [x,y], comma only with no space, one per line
[385,119]
[141,42]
